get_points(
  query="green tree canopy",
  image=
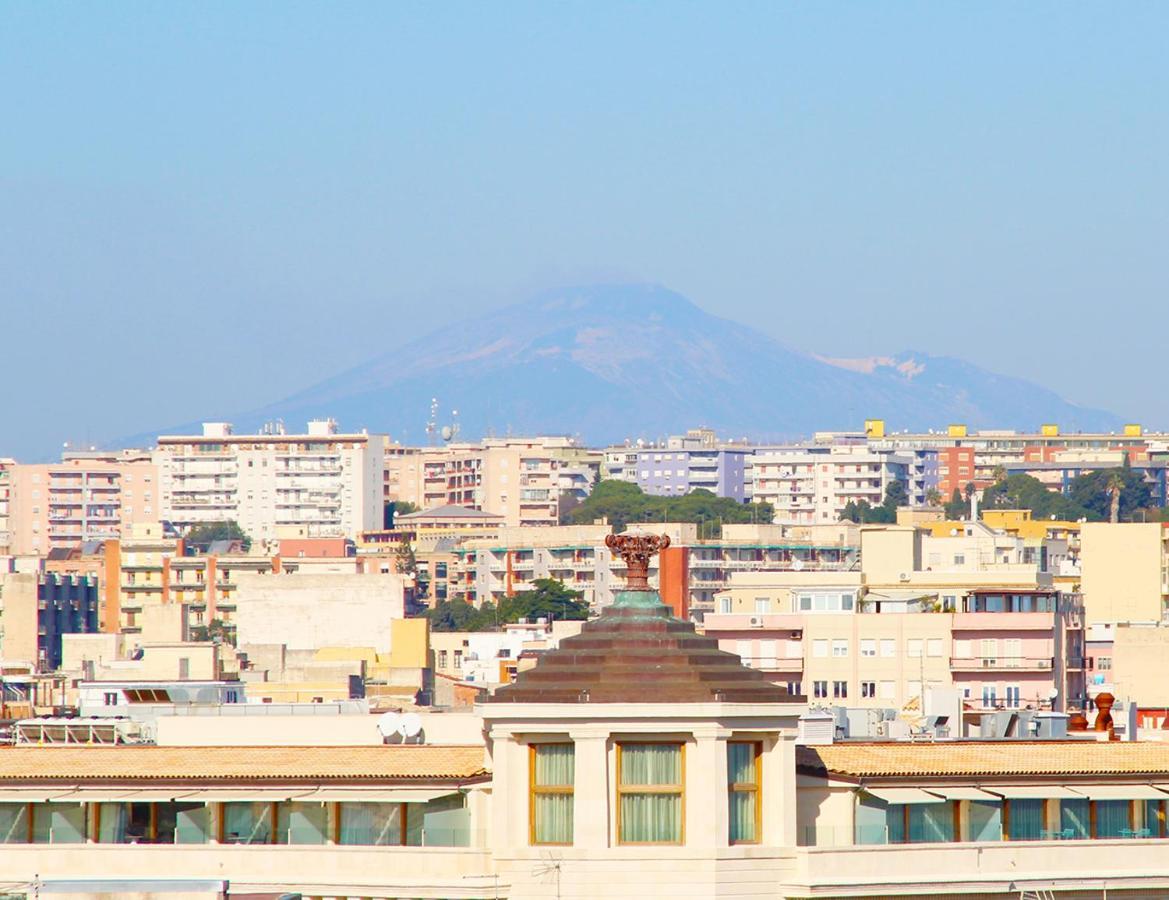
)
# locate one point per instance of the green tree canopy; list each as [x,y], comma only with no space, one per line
[1025,492]
[862,512]
[1092,492]
[201,536]
[624,504]
[549,599]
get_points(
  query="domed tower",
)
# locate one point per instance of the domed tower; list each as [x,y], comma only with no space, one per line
[638,739]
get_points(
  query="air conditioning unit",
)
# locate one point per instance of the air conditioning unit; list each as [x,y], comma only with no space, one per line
[904,576]
[756,621]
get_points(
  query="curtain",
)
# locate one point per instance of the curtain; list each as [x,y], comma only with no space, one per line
[1026,820]
[247,823]
[555,768]
[741,771]
[651,764]
[1073,818]
[651,817]
[1111,818]
[986,820]
[113,818]
[370,824]
[301,823]
[192,823]
[931,822]
[895,822]
[13,823]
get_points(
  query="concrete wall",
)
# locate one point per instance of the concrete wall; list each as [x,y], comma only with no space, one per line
[305,612]
[18,616]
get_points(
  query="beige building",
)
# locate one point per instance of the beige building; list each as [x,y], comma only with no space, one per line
[1125,571]
[325,482]
[85,497]
[519,479]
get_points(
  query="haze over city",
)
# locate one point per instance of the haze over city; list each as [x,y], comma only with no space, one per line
[216,206]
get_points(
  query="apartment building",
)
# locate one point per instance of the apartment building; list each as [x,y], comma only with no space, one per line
[519,479]
[326,482]
[6,465]
[976,613]
[1125,571]
[813,484]
[37,610]
[88,496]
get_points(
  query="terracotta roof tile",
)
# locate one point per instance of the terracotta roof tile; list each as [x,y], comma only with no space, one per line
[987,758]
[367,764]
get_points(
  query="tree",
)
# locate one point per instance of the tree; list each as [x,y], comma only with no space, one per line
[565,504]
[216,631]
[957,508]
[396,508]
[933,497]
[548,599]
[623,503]
[202,536]
[862,512]
[1094,491]
[405,562]
[1021,491]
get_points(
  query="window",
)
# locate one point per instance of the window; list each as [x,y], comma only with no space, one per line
[247,823]
[868,647]
[109,698]
[744,777]
[914,647]
[840,690]
[959,559]
[724,604]
[442,654]
[762,605]
[795,688]
[1025,820]
[820,689]
[1013,696]
[840,649]
[888,690]
[1074,818]
[650,795]
[368,824]
[1104,662]
[819,648]
[551,803]
[868,689]
[933,647]
[989,696]
[888,648]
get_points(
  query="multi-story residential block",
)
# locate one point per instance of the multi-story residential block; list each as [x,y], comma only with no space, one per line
[975,613]
[1125,571]
[85,497]
[520,479]
[37,610]
[813,484]
[326,482]
[684,463]
[5,500]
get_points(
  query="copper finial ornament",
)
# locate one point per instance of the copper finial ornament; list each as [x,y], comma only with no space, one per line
[636,550]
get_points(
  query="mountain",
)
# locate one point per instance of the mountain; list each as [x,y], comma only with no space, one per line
[609,362]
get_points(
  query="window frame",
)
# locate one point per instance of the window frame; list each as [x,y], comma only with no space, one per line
[535,789]
[738,787]
[669,790]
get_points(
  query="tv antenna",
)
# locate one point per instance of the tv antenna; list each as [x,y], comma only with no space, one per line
[432,421]
[550,866]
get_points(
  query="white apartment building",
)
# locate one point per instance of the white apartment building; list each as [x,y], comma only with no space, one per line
[813,485]
[328,483]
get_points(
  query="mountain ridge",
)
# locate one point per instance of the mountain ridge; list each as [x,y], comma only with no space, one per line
[608,362]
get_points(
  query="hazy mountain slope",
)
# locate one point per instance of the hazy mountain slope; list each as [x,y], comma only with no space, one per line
[614,361]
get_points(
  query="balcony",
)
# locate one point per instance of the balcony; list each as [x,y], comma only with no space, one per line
[1004,621]
[1002,663]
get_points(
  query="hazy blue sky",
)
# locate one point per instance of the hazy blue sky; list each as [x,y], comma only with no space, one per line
[206,206]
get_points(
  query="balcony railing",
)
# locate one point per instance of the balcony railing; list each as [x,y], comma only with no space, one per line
[998,663]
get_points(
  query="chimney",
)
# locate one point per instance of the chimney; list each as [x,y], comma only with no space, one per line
[816,727]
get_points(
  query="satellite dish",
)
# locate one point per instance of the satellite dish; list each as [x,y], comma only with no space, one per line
[446,432]
[388,724]
[1053,693]
[410,725]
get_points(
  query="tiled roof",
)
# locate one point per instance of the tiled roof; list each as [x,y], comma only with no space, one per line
[987,758]
[369,764]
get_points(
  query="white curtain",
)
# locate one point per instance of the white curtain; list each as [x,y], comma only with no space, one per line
[651,817]
[555,766]
[112,825]
[370,824]
[741,772]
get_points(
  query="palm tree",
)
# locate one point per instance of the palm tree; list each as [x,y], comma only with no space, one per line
[1115,486]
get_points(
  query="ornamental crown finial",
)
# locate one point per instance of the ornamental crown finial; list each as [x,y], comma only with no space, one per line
[636,550]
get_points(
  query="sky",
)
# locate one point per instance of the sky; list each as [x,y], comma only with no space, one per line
[207,206]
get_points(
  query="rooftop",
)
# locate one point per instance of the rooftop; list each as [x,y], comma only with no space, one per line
[971,759]
[336,765]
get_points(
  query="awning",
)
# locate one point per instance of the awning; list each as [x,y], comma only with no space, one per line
[36,795]
[1119,791]
[1033,792]
[247,795]
[962,793]
[904,795]
[340,795]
